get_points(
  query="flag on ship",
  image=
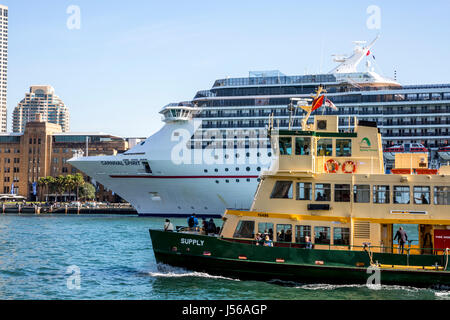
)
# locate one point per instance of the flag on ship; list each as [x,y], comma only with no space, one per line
[317,103]
[330,104]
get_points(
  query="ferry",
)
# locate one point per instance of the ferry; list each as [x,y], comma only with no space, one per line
[327,212]
[212,149]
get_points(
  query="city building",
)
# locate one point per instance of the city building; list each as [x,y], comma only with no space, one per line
[41,100]
[3,66]
[43,150]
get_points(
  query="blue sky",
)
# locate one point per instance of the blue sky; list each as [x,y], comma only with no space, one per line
[131,58]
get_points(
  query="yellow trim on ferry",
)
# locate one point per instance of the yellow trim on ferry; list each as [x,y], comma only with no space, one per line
[299,217]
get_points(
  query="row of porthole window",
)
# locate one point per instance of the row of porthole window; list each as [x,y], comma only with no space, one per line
[237,180]
[227,169]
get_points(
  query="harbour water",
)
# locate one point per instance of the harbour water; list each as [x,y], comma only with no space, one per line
[40,255]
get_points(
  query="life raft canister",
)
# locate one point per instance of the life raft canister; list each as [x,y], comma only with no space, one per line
[331,166]
[347,164]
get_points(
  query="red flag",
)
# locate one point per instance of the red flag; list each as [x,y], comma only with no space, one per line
[368,52]
[330,104]
[317,103]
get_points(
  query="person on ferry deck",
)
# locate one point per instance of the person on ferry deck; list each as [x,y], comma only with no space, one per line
[193,222]
[402,238]
[168,226]
[268,242]
[211,226]
[308,242]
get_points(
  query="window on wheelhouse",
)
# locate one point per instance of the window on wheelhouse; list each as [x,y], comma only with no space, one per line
[324,147]
[301,232]
[343,147]
[401,194]
[245,229]
[285,144]
[381,194]
[302,146]
[421,195]
[322,192]
[342,193]
[442,195]
[341,236]
[361,193]
[304,191]
[322,235]
[282,190]
[284,232]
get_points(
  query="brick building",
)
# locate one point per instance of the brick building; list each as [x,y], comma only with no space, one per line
[43,150]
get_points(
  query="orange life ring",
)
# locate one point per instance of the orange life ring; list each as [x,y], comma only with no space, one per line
[349,162]
[334,165]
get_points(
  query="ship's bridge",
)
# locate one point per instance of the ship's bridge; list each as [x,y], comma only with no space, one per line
[321,148]
[183,111]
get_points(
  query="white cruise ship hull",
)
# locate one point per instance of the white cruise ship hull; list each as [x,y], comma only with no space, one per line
[174,189]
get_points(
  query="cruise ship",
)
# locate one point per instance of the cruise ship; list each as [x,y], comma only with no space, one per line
[211,150]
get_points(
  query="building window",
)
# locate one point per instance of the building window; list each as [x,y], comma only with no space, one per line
[302,146]
[324,147]
[285,145]
[380,194]
[361,193]
[304,191]
[442,195]
[282,190]
[421,195]
[401,194]
[322,192]
[341,236]
[343,147]
[322,235]
[245,229]
[342,193]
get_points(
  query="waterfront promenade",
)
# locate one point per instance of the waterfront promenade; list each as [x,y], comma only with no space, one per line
[66,208]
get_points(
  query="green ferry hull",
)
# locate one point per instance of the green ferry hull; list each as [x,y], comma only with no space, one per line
[247,261]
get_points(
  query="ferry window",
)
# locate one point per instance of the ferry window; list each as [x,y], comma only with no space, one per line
[361,193]
[284,232]
[244,229]
[342,192]
[380,194]
[341,236]
[442,195]
[301,232]
[322,192]
[343,147]
[285,145]
[401,194]
[421,195]
[322,235]
[266,228]
[302,146]
[324,147]
[304,191]
[282,190]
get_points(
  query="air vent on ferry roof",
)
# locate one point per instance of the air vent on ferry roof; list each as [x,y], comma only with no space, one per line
[322,124]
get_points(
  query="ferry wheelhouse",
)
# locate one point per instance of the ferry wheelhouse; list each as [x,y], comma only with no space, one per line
[327,211]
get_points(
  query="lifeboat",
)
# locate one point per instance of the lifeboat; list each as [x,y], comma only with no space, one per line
[444,153]
[389,153]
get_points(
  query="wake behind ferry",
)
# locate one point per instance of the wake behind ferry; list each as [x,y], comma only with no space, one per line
[210,152]
[325,212]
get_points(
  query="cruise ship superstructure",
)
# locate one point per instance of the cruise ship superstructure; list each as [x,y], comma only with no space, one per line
[211,150]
